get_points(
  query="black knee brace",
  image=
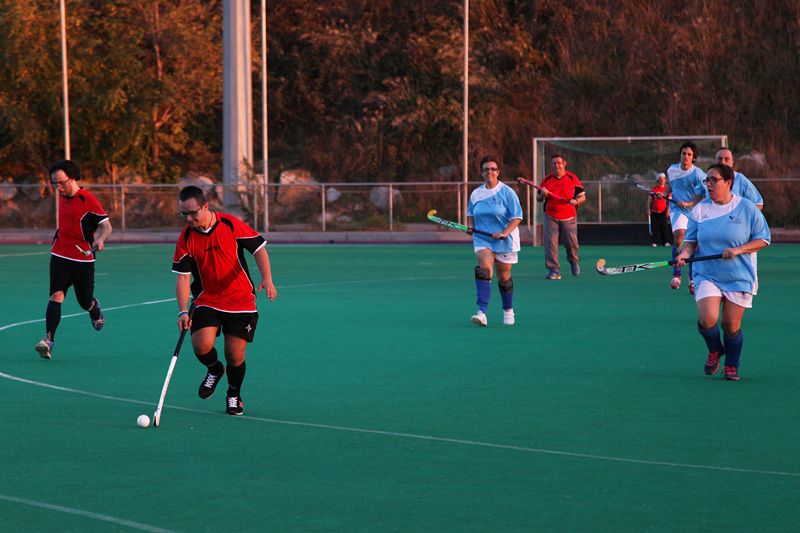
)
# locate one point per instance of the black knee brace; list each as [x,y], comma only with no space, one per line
[507,285]
[483,274]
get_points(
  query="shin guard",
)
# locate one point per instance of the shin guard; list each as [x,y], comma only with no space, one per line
[711,336]
[733,348]
[507,293]
[483,287]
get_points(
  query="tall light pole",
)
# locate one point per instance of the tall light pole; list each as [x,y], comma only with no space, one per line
[465,147]
[264,139]
[65,82]
[237,101]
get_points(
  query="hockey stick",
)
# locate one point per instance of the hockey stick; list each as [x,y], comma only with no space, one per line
[641,187]
[538,188]
[88,252]
[610,271]
[455,225]
[157,414]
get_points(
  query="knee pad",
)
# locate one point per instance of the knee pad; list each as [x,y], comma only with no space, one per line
[507,285]
[483,274]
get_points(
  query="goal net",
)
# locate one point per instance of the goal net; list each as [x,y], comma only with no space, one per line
[602,163]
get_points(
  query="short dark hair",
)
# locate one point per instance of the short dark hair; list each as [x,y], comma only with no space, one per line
[485,159]
[193,191]
[557,155]
[67,167]
[691,145]
[725,171]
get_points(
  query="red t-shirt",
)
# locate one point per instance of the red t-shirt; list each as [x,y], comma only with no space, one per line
[567,187]
[78,218]
[220,278]
[659,205]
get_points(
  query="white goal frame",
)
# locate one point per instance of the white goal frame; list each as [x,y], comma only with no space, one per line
[539,167]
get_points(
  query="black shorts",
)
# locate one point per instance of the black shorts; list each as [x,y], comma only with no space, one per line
[65,274]
[242,325]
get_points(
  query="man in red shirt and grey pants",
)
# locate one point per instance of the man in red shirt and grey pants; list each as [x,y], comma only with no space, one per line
[561,192]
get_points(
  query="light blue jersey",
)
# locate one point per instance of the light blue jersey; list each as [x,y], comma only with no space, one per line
[744,187]
[492,210]
[717,227]
[685,184]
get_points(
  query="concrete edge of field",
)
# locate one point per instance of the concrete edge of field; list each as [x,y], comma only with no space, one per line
[143,236]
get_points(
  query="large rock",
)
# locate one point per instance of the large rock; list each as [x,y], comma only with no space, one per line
[379,196]
[296,186]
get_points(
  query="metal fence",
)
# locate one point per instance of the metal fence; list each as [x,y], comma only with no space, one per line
[348,206]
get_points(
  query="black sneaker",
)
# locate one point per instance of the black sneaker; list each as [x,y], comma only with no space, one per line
[209,384]
[235,406]
[101,320]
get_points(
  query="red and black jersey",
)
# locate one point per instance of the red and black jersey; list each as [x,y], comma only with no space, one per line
[659,204]
[568,187]
[216,261]
[78,218]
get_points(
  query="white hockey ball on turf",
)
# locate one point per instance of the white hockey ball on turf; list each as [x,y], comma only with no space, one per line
[143,421]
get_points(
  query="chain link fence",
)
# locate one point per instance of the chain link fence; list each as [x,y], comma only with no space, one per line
[347,206]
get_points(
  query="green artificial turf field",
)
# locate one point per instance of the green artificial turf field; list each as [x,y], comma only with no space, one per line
[372,404]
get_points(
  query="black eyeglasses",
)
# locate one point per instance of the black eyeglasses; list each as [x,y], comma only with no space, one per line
[58,183]
[491,169]
[192,214]
[712,181]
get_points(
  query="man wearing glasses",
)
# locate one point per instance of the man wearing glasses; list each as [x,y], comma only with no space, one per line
[561,192]
[83,227]
[210,263]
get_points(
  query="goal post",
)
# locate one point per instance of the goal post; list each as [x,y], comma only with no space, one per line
[601,163]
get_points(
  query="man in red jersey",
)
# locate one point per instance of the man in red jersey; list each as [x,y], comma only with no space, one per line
[561,192]
[210,263]
[83,228]
[658,213]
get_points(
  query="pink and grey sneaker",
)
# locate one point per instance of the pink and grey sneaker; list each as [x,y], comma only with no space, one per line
[675,283]
[712,363]
[731,373]
[691,287]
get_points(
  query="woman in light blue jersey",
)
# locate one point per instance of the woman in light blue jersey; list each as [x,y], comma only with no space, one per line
[494,207]
[734,227]
[686,186]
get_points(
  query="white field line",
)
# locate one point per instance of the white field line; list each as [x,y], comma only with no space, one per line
[85,514]
[431,438]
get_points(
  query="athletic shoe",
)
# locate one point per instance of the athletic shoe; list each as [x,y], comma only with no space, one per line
[235,406]
[209,384]
[731,373]
[653,245]
[479,318]
[667,244]
[712,363]
[508,317]
[553,274]
[101,320]
[576,269]
[45,348]
[691,287]
[675,283]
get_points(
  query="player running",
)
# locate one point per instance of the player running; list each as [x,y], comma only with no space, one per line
[734,227]
[210,263]
[83,228]
[686,186]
